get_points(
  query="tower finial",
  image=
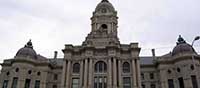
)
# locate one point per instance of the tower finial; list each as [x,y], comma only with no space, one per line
[29,44]
[180,40]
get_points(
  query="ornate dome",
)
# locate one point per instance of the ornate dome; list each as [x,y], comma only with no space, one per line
[27,51]
[104,6]
[182,47]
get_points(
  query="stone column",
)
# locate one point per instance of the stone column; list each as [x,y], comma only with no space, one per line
[120,73]
[109,73]
[139,72]
[68,74]
[81,75]
[90,74]
[134,73]
[85,73]
[63,80]
[114,73]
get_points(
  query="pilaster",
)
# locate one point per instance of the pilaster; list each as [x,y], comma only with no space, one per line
[114,73]
[120,74]
[134,74]
[86,73]
[68,74]
[63,81]
[90,74]
[109,73]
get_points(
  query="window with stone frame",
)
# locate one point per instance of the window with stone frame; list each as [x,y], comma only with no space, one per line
[5,84]
[54,86]
[171,83]
[75,82]
[142,76]
[181,82]
[37,83]
[151,75]
[100,76]
[126,82]
[55,77]
[100,82]
[143,86]
[126,67]
[100,67]
[76,68]
[14,82]
[153,85]
[194,81]
[27,83]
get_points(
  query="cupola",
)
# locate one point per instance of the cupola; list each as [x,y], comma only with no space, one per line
[182,47]
[27,51]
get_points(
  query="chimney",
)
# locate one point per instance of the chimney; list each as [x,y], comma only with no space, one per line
[153,52]
[55,54]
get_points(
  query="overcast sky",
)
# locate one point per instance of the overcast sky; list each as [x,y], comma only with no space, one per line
[52,23]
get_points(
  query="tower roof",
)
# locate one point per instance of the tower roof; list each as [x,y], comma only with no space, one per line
[104,5]
[104,1]
[27,51]
[182,47]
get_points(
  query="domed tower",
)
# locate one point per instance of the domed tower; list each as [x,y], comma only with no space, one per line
[104,25]
[105,18]
[182,47]
[27,51]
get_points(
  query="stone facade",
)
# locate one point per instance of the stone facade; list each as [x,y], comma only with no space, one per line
[101,61]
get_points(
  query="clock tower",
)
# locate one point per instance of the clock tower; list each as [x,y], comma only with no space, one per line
[104,26]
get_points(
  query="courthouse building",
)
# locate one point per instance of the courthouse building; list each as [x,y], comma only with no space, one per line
[101,61]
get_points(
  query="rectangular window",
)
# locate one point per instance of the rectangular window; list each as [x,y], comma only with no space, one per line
[75,82]
[54,86]
[27,83]
[37,84]
[143,86]
[14,83]
[151,76]
[5,84]
[153,85]
[100,82]
[142,76]
[194,81]
[126,82]
[181,82]
[171,83]
[55,77]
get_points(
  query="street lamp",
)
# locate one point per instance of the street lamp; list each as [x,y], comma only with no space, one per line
[195,39]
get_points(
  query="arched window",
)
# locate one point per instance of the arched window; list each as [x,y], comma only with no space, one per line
[76,68]
[100,67]
[100,79]
[126,67]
